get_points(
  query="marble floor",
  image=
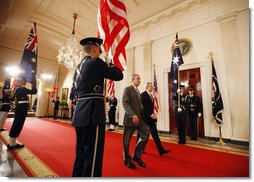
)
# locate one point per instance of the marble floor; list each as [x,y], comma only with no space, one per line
[9,167]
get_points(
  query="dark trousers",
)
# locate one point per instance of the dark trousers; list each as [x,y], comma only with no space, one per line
[89,151]
[112,116]
[55,113]
[154,132]
[181,120]
[128,132]
[19,120]
[193,126]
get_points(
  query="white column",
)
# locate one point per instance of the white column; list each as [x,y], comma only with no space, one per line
[147,62]
[237,81]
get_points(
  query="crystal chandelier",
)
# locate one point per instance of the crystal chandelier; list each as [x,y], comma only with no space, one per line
[69,55]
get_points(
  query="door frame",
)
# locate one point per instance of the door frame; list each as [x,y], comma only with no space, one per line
[206,85]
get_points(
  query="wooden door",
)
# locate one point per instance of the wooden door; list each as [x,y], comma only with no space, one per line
[190,78]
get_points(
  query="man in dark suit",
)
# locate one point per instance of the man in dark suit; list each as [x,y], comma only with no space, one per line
[133,121]
[151,117]
[89,115]
[193,107]
[181,113]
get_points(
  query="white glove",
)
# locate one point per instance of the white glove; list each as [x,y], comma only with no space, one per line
[179,109]
[178,90]
[199,114]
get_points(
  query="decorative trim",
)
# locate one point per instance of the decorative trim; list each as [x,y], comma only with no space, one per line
[168,15]
[33,165]
[228,17]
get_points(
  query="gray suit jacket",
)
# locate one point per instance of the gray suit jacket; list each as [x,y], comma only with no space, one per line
[132,106]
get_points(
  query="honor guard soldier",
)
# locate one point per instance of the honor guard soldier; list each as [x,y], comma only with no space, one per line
[89,115]
[4,109]
[21,109]
[193,107]
[181,113]
[112,113]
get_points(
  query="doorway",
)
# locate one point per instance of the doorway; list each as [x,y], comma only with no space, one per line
[189,78]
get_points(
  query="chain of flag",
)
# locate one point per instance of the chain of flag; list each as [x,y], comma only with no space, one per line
[114,30]
[54,90]
[29,59]
[216,97]
[155,93]
[177,60]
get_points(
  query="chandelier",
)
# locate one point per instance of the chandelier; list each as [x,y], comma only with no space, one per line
[68,55]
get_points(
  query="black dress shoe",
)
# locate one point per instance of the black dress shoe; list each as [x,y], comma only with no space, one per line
[17,146]
[130,165]
[111,129]
[10,147]
[164,151]
[139,161]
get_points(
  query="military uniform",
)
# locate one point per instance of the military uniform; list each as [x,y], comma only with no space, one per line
[181,118]
[89,115]
[21,108]
[4,109]
[193,107]
[112,113]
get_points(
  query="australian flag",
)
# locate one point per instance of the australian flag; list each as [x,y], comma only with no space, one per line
[216,98]
[29,60]
[177,60]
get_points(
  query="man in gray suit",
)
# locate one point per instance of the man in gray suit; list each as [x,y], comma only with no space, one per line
[133,121]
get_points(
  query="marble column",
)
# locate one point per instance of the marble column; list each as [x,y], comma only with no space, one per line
[147,62]
[237,81]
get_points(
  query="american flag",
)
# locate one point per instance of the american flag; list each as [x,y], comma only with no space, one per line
[176,62]
[29,60]
[155,93]
[54,90]
[111,88]
[114,30]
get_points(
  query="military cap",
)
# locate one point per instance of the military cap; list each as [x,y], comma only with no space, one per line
[181,86]
[191,89]
[91,41]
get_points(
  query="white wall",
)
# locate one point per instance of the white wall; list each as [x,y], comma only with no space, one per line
[201,23]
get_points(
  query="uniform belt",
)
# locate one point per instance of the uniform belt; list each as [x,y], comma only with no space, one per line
[6,103]
[90,96]
[23,102]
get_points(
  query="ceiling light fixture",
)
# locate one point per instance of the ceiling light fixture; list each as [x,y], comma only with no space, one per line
[69,55]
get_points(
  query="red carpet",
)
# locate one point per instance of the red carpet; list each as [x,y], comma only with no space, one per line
[54,144]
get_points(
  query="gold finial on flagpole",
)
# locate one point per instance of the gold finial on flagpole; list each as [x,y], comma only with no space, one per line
[210,55]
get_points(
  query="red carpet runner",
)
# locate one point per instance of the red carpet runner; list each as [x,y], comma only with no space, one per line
[53,143]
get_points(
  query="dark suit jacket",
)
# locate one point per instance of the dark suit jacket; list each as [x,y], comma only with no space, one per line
[132,106]
[147,107]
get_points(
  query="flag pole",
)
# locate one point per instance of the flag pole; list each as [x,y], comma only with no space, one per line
[178,87]
[220,142]
[178,84]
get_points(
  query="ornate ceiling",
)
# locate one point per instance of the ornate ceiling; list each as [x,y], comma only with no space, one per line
[54,21]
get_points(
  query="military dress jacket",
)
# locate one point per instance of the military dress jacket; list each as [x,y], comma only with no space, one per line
[88,81]
[132,106]
[6,103]
[193,105]
[182,103]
